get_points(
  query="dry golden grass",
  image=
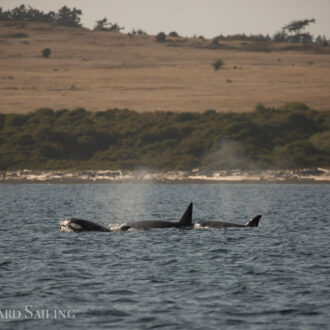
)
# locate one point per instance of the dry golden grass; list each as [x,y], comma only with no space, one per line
[101,70]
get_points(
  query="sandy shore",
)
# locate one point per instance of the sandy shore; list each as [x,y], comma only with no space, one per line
[312,175]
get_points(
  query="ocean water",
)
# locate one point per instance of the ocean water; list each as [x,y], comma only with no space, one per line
[275,276]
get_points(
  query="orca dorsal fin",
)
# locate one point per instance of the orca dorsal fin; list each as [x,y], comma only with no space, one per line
[253,222]
[186,219]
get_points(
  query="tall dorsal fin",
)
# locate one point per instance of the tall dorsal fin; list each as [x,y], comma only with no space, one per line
[186,219]
[253,222]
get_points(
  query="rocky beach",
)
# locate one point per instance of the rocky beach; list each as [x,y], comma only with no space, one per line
[311,175]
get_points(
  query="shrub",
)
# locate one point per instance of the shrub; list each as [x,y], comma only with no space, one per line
[218,64]
[161,37]
[296,106]
[46,52]
[174,34]
[104,25]
[138,32]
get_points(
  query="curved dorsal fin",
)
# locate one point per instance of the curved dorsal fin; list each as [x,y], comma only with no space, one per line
[253,222]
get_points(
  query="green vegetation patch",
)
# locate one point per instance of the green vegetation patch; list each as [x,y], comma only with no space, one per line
[292,136]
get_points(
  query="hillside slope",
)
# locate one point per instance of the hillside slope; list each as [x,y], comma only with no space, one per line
[99,70]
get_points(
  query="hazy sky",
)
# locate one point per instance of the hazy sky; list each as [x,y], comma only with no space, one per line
[201,17]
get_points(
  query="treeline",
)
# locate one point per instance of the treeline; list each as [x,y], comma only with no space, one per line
[292,136]
[64,16]
[305,38]
[291,33]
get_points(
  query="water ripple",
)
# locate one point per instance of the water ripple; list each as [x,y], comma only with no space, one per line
[274,276]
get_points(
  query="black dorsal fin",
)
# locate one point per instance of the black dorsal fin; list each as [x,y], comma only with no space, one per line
[253,222]
[186,219]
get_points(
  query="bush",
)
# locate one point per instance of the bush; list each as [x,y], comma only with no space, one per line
[321,141]
[104,25]
[218,64]
[137,32]
[46,52]
[161,37]
[174,34]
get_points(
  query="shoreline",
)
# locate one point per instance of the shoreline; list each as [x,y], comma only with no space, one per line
[302,176]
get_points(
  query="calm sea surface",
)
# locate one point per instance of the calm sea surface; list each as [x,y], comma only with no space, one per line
[276,276]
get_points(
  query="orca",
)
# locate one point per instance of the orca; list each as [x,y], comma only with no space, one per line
[219,224]
[78,225]
[184,222]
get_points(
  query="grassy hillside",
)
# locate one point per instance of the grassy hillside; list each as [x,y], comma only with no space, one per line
[292,136]
[97,70]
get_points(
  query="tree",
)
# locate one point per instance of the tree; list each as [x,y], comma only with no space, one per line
[293,31]
[19,13]
[174,34]
[68,17]
[297,26]
[160,37]
[322,40]
[280,36]
[104,25]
